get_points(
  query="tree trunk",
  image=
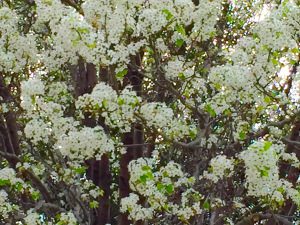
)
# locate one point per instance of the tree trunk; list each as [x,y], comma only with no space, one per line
[9,140]
[85,77]
[291,172]
[135,138]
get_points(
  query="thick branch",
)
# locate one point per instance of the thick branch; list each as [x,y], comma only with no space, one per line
[256,217]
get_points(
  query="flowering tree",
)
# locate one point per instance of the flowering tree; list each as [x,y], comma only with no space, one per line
[149,112]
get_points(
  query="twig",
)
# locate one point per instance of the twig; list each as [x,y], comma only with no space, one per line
[34,179]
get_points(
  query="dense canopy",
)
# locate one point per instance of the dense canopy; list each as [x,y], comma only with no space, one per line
[149,112]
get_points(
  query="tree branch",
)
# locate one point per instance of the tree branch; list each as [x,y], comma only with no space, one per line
[256,217]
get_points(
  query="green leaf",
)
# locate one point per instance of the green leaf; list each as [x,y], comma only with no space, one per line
[293,62]
[47,2]
[75,42]
[179,42]
[4,182]
[276,54]
[121,101]
[278,34]
[230,19]
[180,29]
[33,101]
[168,14]
[267,145]
[83,30]
[169,188]
[206,205]
[212,34]
[210,169]
[267,99]
[35,195]
[149,50]
[146,168]
[227,112]
[193,134]
[260,108]
[160,186]
[218,86]
[121,74]
[197,197]
[19,186]
[166,207]
[104,103]
[143,178]
[242,135]
[281,190]
[92,45]
[264,172]
[295,50]
[191,180]
[274,61]
[181,76]
[165,174]
[146,176]
[210,110]
[255,36]
[150,175]
[80,170]
[96,106]
[93,204]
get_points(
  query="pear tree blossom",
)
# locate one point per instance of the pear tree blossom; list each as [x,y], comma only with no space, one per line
[149,112]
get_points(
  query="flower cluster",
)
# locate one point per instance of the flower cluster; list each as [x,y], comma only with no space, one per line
[67,218]
[205,18]
[85,143]
[118,111]
[262,172]
[14,55]
[160,117]
[177,68]
[33,218]
[5,206]
[220,167]
[158,187]
[157,115]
